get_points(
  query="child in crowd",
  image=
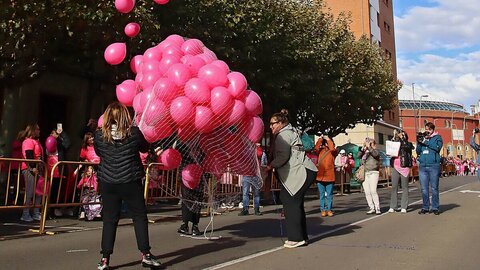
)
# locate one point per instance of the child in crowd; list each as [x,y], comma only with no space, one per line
[88,187]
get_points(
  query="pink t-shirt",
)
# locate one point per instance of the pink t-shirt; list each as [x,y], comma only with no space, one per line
[89,155]
[403,171]
[31,144]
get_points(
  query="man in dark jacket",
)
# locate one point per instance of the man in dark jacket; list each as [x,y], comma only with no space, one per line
[428,152]
[476,147]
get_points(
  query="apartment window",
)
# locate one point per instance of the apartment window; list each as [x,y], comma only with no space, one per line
[401,123]
[386,2]
[381,140]
[388,54]
[447,123]
[386,26]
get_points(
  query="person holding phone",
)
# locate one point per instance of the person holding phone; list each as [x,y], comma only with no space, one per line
[476,146]
[370,158]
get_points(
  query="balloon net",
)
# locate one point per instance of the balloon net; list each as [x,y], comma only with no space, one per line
[199,116]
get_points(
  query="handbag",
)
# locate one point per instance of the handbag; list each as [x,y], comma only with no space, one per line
[360,174]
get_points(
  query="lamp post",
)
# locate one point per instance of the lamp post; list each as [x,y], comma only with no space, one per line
[420,111]
[453,145]
[415,109]
[464,127]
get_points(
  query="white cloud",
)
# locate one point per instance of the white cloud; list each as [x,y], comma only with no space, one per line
[455,79]
[448,25]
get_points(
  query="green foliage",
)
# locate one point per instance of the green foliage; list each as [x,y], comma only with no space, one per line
[293,55]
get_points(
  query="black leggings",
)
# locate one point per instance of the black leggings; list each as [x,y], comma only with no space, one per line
[112,197]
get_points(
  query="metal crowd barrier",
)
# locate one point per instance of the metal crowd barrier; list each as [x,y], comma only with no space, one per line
[14,189]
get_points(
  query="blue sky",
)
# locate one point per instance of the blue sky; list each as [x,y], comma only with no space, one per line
[438,49]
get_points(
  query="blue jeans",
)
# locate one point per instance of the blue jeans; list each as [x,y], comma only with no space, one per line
[429,177]
[328,187]
[246,183]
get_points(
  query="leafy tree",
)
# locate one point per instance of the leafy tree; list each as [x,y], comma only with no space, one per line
[293,55]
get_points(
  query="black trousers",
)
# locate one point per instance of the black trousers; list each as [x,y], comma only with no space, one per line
[294,210]
[112,197]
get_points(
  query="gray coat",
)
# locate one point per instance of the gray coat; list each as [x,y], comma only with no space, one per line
[372,162]
[289,161]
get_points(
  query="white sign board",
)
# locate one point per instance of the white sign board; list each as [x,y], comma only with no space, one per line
[457,134]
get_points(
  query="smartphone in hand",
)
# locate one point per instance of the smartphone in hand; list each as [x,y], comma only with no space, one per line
[59,128]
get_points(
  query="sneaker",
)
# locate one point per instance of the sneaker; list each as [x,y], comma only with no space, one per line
[403,211]
[378,212]
[240,205]
[149,261]
[26,217]
[36,216]
[391,210]
[423,212]
[183,229]
[324,213]
[57,212]
[244,212]
[371,212]
[292,244]
[82,215]
[330,213]
[195,230]
[257,212]
[103,264]
[436,212]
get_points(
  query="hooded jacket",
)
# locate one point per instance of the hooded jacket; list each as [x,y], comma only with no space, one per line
[120,160]
[289,161]
[428,151]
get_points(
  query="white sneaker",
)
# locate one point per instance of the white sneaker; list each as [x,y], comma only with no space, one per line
[82,215]
[378,212]
[371,211]
[391,210]
[240,205]
[404,211]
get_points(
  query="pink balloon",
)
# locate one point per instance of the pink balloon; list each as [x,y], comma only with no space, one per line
[182,110]
[222,65]
[179,74]
[245,124]
[175,39]
[139,78]
[150,66]
[155,133]
[204,119]
[161,2]
[167,62]
[115,53]
[191,175]
[194,63]
[152,54]
[135,63]
[256,131]
[253,103]
[197,91]
[100,121]
[155,112]
[149,79]
[187,133]
[132,29]
[170,159]
[238,113]
[51,144]
[126,92]
[165,89]
[174,50]
[221,101]
[124,6]
[237,84]
[145,98]
[215,162]
[136,104]
[209,55]
[192,46]
[213,75]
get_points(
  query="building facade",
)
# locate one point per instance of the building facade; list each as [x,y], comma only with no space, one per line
[373,19]
[451,121]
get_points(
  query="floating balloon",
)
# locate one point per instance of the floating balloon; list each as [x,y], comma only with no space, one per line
[51,144]
[213,75]
[253,103]
[136,62]
[132,29]
[126,92]
[164,89]
[222,65]
[237,84]
[237,114]
[191,175]
[192,47]
[179,74]
[161,2]
[256,130]
[155,133]
[170,159]
[153,54]
[124,6]
[194,63]
[221,101]
[154,112]
[115,53]
[100,121]
[197,91]
[204,119]
[181,110]
[166,63]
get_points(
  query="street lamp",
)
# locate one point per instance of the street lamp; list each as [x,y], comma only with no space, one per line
[420,111]
[415,108]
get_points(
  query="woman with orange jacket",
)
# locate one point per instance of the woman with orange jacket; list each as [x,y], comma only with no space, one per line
[326,173]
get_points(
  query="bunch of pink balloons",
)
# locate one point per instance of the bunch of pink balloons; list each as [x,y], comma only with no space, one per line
[181,87]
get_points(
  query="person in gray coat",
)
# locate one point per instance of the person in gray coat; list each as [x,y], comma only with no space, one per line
[296,172]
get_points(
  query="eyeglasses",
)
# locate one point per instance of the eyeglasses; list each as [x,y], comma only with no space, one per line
[273,123]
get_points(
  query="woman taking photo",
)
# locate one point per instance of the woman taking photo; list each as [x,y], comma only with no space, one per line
[120,171]
[370,159]
[401,170]
[296,172]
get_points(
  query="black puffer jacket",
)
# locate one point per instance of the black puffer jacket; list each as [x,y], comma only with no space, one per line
[120,161]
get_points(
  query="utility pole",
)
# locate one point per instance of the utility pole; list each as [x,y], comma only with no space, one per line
[414,108]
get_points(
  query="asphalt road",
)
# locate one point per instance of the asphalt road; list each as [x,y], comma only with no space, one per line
[349,240]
